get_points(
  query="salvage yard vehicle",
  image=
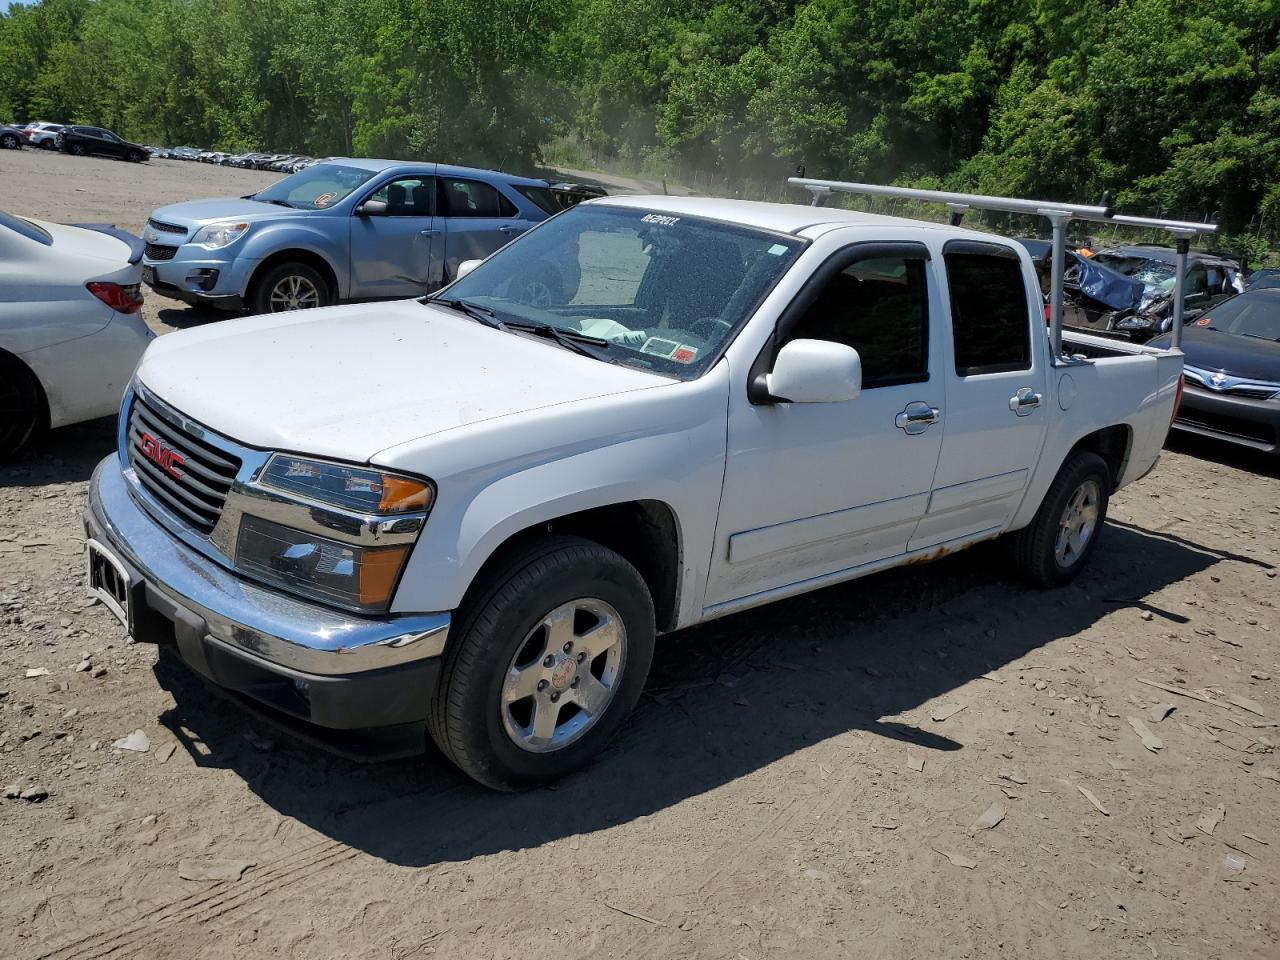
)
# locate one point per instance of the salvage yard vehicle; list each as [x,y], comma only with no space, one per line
[80,141]
[470,514]
[339,230]
[1232,371]
[70,328]
[44,135]
[1097,299]
[11,138]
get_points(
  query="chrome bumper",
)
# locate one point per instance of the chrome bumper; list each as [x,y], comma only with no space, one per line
[265,624]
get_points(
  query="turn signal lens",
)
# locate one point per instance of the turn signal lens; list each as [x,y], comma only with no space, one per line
[400,495]
[378,573]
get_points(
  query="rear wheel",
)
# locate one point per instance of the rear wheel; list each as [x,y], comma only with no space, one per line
[9,141]
[289,286]
[1053,549]
[551,656]
[47,144]
[20,407]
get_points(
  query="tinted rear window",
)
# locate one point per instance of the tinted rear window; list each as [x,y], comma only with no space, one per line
[989,318]
[542,197]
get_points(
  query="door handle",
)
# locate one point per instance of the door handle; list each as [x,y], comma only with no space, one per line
[427,233]
[916,418]
[1024,401]
[507,230]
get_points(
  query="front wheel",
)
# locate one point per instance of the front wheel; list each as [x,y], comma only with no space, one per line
[551,656]
[134,156]
[1053,549]
[10,142]
[289,286]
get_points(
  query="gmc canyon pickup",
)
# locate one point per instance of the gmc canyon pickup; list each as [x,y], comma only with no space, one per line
[470,514]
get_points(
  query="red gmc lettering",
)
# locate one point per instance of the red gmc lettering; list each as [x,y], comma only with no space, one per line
[166,458]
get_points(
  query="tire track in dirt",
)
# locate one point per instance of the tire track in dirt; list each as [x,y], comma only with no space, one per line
[208,904]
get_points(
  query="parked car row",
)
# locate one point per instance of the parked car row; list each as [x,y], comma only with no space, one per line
[277,162]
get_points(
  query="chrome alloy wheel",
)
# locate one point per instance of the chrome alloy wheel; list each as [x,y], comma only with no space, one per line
[564,675]
[293,293]
[1078,522]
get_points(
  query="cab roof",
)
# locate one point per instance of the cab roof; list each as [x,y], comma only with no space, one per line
[410,166]
[792,218]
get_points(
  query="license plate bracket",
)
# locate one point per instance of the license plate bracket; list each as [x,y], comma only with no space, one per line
[107,579]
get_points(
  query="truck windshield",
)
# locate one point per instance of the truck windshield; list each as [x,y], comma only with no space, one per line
[665,292]
[315,188]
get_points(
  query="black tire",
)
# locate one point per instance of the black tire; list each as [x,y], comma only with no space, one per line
[469,717]
[275,284]
[10,142]
[47,144]
[134,156]
[1041,558]
[76,150]
[21,407]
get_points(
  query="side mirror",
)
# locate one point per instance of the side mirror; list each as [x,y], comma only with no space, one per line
[373,208]
[466,266]
[815,371]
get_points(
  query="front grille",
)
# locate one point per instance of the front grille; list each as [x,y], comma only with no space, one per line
[156,252]
[1254,392]
[195,485]
[163,227]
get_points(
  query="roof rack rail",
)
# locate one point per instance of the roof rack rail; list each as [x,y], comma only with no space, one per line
[1058,215]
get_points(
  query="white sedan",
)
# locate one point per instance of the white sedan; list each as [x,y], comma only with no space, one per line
[71,330]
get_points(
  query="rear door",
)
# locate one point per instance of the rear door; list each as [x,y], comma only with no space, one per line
[995,393]
[391,253]
[477,220]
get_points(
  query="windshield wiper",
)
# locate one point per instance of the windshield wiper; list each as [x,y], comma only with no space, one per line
[577,342]
[278,203]
[472,310]
[1258,336]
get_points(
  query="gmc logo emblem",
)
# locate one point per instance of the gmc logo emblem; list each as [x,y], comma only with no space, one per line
[161,454]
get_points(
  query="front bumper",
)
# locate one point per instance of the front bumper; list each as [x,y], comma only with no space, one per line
[1240,420]
[198,276]
[302,661]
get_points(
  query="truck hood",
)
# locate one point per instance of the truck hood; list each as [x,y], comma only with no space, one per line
[346,382]
[200,212]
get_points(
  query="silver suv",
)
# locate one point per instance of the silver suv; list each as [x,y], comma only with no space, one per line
[340,230]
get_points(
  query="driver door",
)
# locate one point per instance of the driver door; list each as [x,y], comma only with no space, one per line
[813,489]
[391,251]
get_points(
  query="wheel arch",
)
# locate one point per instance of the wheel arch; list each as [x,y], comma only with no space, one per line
[1112,444]
[645,533]
[44,421]
[312,259]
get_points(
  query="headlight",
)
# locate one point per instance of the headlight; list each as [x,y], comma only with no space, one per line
[217,235]
[350,488]
[1136,322]
[342,574]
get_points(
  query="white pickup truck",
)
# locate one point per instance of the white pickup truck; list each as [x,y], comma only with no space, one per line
[471,514]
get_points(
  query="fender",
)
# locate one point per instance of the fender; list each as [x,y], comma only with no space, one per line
[665,444]
[274,237]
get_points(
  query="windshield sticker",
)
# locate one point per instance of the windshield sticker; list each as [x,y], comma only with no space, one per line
[659,347]
[1204,321]
[777,250]
[324,199]
[660,220]
[684,354]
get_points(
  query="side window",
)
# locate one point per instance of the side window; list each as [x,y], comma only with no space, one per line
[990,324]
[406,197]
[1197,280]
[471,198]
[880,307]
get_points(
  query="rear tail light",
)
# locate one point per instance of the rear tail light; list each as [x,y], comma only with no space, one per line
[124,297]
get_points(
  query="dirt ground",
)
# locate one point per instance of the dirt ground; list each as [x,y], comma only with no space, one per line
[818,778]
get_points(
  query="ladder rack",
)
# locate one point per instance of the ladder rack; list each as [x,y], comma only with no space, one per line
[1058,215]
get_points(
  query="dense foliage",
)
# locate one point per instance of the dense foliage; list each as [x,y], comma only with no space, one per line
[1174,104]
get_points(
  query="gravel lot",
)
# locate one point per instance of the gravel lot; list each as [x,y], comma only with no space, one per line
[933,762]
